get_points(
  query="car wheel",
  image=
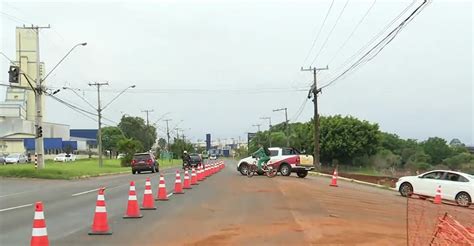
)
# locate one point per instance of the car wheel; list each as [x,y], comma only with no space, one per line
[302,174]
[406,189]
[133,171]
[285,170]
[463,199]
[244,167]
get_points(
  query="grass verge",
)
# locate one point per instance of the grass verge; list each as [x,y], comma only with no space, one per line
[71,170]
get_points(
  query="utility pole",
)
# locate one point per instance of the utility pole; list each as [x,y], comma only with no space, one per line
[258,127]
[269,129]
[167,134]
[147,111]
[315,91]
[39,144]
[99,114]
[286,126]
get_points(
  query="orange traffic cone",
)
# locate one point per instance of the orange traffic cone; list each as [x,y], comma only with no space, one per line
[187,181]
[194,180]
[39,236]
[162,196]
[334,178]
[178,188]
[200,173]
[437,199]
[148,201]
[205,171]
[132,207]
[100,225]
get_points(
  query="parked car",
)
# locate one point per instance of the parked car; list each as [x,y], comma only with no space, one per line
[213,157]
[455,186]
[65,157]
[195,161]
[285,160]
[144,162]
[16,158]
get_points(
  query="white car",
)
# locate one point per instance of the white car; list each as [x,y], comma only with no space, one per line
[455,186]
[213,157]
[16,158]
[65,157]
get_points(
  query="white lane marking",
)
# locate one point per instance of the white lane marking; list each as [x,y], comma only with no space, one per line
[85,192]
[14,194]
[170,194]
[21,206]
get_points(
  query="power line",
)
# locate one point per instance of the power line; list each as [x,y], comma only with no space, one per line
[330,32]
[352,33]
[319,32]
[377,36]
[375,50]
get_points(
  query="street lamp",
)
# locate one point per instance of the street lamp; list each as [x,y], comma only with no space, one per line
[99,113]
[62,59]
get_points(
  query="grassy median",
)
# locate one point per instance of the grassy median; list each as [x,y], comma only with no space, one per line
[71,170]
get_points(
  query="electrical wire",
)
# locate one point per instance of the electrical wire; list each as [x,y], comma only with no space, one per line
[330,32]
[319,32]
[352,33]
[375,50]
[300,110]
[374,38]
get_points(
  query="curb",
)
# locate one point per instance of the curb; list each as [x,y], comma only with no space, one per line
[312,173]
[109,174]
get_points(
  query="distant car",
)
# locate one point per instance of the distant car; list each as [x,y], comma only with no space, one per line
[65,157]
[16,158]
[144,162]
[285,160]
[120,156]
[2,159]
[455,186]
[213,157]
[195,161]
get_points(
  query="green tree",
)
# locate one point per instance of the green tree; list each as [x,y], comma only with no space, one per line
[135,127]
[162,143]
[179,145]
[111,135]
[129,147]
[437,149]
[455,162]
[344,138]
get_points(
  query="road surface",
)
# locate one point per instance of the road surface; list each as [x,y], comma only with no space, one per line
[225,209]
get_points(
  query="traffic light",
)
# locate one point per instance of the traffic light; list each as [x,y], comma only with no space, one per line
[14,74]
[39,131]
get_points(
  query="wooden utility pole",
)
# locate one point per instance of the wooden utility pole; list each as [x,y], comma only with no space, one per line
[147,111]
[315,91]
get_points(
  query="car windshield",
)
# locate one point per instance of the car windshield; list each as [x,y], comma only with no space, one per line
[61,155]
[195,158]
[13,156]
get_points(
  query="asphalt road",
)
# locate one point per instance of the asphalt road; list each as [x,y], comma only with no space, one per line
[225,209]
[69,205]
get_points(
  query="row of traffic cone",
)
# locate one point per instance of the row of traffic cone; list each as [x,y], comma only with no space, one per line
[100,225]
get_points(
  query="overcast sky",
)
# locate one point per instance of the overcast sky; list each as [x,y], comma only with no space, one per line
[203,61]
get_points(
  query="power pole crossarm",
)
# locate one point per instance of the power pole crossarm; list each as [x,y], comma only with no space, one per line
[147,111]
[315,91]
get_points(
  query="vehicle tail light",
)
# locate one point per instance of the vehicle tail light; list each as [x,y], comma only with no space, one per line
[134,162]
[149,161]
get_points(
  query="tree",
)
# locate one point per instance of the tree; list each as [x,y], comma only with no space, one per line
[111,135]
[129,147]
[437,149]
[344,138]
[162,143]
[135,127]
[179,145]
[455,143]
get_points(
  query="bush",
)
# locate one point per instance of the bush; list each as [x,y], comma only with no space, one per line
[422,166]
[455,162]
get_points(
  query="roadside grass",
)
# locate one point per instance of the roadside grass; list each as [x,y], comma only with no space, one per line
[71,170]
